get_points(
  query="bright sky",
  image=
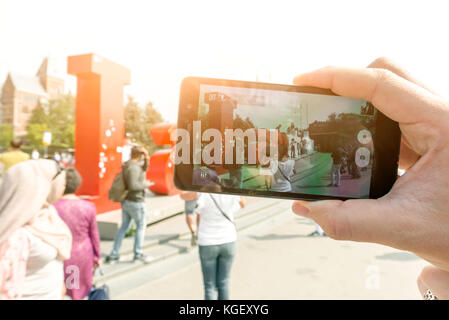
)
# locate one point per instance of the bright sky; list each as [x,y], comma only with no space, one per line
[162,42]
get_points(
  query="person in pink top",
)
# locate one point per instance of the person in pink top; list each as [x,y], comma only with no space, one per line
[80,217]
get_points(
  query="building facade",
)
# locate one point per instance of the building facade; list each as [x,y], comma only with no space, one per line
[21,94]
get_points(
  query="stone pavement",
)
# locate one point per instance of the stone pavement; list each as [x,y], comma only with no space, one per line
[171,237]
[275,260]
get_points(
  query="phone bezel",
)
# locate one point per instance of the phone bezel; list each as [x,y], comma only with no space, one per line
[386,143]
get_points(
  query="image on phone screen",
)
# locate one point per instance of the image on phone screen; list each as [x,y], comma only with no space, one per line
[324,143]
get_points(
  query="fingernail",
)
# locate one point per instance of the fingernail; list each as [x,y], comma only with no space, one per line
[301,208]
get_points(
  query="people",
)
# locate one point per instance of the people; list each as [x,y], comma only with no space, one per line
[35,154]
[34,241]
[353,169]
[216,241]
[282,170]
[80,217]
[303,146]
[13,155]
[292,150]
[337,154]
[134,206]
[57,157]
[206,176]
[414,215]
[190,204]
[235,168]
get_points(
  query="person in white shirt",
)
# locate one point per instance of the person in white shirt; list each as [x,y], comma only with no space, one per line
[283,170]
[216,241]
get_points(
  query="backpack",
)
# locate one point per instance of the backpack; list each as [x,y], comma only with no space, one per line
[118,191]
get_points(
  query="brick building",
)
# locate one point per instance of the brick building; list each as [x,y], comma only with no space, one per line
[21,94]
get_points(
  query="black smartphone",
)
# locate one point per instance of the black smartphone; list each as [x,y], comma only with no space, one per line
[283,141]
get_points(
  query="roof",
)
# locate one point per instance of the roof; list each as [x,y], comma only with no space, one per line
[51,66]
[29,84]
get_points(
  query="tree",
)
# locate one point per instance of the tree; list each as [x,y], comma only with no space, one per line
[6,134]
[240,123]
[56,116]
[138,122]
[332,117]
[36,133]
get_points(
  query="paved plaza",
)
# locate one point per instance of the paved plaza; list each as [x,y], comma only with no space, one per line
[276,260]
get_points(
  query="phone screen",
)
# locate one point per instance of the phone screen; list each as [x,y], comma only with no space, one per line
[324,142]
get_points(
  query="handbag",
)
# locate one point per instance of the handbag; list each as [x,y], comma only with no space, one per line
[99,292]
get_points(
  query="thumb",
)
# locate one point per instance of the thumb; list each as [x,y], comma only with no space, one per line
[435,280]
[358,220]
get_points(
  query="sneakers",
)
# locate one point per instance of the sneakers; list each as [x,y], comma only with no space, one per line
[194,240]
[112,259]
[143,258]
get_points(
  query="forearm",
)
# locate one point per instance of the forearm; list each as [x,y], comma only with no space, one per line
[95,236]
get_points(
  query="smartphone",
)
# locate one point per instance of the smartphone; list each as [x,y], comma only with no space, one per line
[282,141]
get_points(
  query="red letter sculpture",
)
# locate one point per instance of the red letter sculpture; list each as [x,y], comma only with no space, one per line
[99,124]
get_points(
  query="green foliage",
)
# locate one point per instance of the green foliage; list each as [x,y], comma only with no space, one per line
[6,135]
[56,116]
[138,122]
[35,134]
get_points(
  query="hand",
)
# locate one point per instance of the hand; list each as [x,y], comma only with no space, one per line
[145,153]
[97,264]
[242,202]
[435,280]
[414,215]
[150,183]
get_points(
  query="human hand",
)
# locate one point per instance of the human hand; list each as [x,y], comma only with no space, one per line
[149,183]
[414,215]
[435,280]
[242,202]
[97,264]
[145,153]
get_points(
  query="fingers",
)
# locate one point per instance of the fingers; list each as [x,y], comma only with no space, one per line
[407,157]
[356,220]
[393,66]
[397,98]
[436,280]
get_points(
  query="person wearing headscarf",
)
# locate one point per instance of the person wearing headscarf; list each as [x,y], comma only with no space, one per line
[81,217]
[34,241]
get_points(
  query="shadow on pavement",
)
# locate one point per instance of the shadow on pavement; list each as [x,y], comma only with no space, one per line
[398,256]
[273,236]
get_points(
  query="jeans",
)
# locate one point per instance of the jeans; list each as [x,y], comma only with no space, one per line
[216,262]
[136,211]
[336,174]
